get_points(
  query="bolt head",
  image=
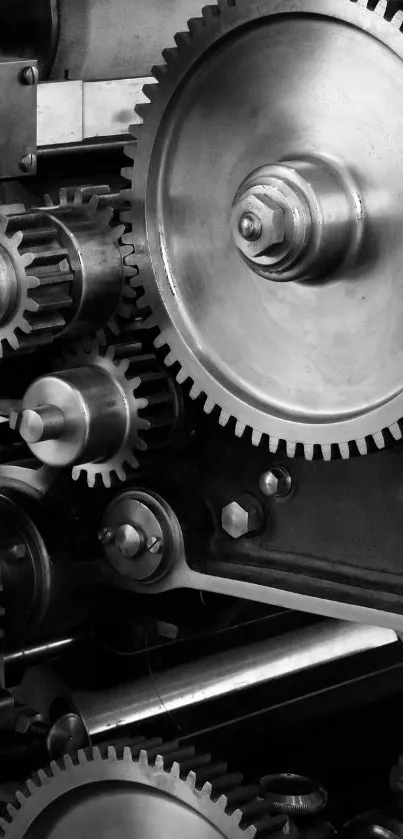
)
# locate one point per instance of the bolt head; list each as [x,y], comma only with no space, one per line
[128,540]
[154,544]
[250,227]
[271,218]
[30,75]
[239,519]
[28,163]
[275,482]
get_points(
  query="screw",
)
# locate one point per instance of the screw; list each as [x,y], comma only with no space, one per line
[30,76]
[250,227]
[154,544]
[276,483]
[28,163]
[106,535]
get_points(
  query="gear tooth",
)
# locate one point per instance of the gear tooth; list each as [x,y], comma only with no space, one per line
[308,451]
[210,12]
[224,418]
[159,763]
[106,478]
[344,449]
[273,444]
[395,431]
[191,780]
[170,55]
[159,341]
[68,762]
[222,802]
[207,789]
[159,71]
[290,448]
[126,173]
[82,758]
[127,754]
[21,798]
[150,90]
[181,376]
[96,754]
[183,40]
[250,832]
[76,472]
[208,406]
[256,437]
[194,392]
[48,201]
[111,752]
[397,19]
[54,767]
[32,786]
[11,810]
[239,428]
[175,770]
[236,817]
[4,825]
[63,197]
[381,8]
[379,440]
[3,224]
[326,451]
[362,446]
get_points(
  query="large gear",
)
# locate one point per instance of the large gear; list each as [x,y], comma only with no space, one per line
[314,365]
[104,408]
[142,790]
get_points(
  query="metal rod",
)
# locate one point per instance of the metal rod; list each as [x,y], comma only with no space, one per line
[30,655]
[226,673]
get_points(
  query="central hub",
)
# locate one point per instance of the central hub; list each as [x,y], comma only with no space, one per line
[298,219]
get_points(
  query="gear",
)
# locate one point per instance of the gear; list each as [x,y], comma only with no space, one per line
[139,790]
[37,281]
[93,413]
[52,285]
[285,322]
[106,208]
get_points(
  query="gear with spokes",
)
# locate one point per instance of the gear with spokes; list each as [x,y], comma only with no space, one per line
[102,411]
[143,790]
[267,234]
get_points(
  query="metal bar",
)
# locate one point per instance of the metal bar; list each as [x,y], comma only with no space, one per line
[226,673]
[30,655]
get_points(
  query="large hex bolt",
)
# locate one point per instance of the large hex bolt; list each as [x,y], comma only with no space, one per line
[276,483]
[242,517]
[258,223]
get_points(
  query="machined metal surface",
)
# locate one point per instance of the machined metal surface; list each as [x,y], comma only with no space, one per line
[294,794]
[227,673]
[140,535]
[18,116]
[315,364]
[148,789]
[95,414]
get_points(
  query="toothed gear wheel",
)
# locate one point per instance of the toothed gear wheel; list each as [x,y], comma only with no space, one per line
[139,791]
[151,404]
[317,365]
[36,280]
[106,208]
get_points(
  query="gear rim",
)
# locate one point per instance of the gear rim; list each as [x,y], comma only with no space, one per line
[355,434]
[134,766]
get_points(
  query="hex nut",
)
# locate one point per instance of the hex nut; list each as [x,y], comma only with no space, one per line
[276,482]
[272,217]
[241,518]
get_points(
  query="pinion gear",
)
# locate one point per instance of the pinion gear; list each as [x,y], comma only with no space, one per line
[150,402]
[316,367]
[139,790]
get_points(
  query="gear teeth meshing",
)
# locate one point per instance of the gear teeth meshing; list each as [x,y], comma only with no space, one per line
[107,209]
[191,46]
[159,766]
[152,399]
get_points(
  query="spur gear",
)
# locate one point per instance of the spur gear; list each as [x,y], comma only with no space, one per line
[267,230]
[104,409]
[139,790]
[52,285]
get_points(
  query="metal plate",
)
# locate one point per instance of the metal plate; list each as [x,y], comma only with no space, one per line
[18,118]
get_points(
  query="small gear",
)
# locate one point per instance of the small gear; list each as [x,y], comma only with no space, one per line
[316,365]
[37,281]
[99,203]
[143,789]
[104,408]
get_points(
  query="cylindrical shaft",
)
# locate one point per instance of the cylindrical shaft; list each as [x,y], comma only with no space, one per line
[227,672]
